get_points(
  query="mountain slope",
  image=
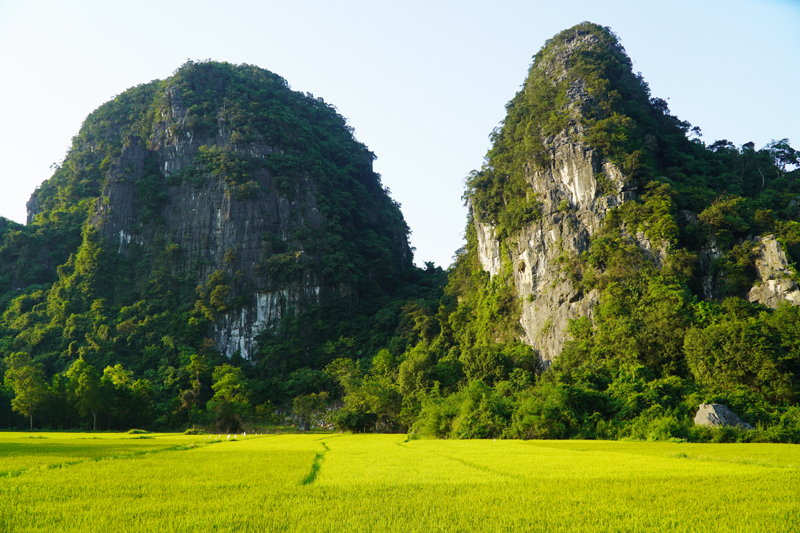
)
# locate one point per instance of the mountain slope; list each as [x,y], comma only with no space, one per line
[582,139]
[217,242]
[196,213]
[607,243]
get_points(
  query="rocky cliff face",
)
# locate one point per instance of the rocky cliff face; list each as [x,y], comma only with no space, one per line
[280,233]
[573,207]
[575,188]
[776,279]
[213,230]
[584,135]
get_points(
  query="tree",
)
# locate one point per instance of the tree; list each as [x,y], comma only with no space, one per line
[485,363]
[267,414]
[85,389]
[782,155]
[128,399]
[738,353]
[60,409]
[198,364]
[141,394]
[385,364]
[190,398]
[342,370]
[414,373]
[372,401]
[230,403]
[27,380]
[308,407]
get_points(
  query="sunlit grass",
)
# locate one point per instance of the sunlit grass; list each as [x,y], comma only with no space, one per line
[22,451]
[386,483]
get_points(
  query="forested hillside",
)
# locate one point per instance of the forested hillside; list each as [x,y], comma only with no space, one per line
[659,266]
[217,251]
[212,224]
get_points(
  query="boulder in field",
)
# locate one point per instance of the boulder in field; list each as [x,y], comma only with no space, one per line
[718,415]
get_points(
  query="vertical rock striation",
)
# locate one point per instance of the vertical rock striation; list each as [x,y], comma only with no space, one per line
[223,171]
[575,187]
[583,140]
[573,208]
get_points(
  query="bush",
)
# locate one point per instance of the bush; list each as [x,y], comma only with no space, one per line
[353,420]
[654,427]
[475,412]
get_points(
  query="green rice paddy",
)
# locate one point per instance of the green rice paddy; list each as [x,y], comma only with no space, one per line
[168,482]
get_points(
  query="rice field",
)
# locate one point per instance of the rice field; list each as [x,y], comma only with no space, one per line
[169,482]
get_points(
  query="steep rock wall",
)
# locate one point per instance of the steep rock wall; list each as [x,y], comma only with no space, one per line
[212,229]
[236,330]
[573,207]
[205,221]
[575,187]
[283,227]
[776,281]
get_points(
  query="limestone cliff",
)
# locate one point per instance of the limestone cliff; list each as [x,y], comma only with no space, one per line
[572,209]
[231,174]
[777,280]
[582,140]
[213,230]
[575,186]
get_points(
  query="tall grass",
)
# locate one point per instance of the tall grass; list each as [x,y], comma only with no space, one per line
[386,483]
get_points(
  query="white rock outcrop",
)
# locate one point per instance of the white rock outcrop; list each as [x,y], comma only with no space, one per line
[235,331]
[488,248]
[575,189]
[776,278]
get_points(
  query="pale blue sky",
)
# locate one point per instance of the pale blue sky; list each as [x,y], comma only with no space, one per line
[422,83]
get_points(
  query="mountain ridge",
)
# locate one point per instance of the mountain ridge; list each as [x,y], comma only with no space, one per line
[217,228]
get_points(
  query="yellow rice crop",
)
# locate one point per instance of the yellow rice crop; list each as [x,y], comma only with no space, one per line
[386,483]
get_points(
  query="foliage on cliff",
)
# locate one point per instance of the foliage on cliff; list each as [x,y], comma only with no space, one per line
[653,348]
[68,295]
[393,347]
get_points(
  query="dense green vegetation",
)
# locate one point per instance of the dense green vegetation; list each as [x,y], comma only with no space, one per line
[655,348]
[96,338]
[70,298]
[389,483]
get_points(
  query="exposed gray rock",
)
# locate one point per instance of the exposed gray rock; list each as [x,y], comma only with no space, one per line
[208,227]
[656,252]
[549,298]
[206,221]
[705,259]
[213,230]
[235,330]
[710,282]
[488,248]
[686,217]
[718,415]
[33,207]
[574,202]
[776,278]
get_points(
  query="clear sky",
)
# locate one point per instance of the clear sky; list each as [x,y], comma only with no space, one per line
[422,82]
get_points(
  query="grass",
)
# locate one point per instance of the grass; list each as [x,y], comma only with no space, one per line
[72,482]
